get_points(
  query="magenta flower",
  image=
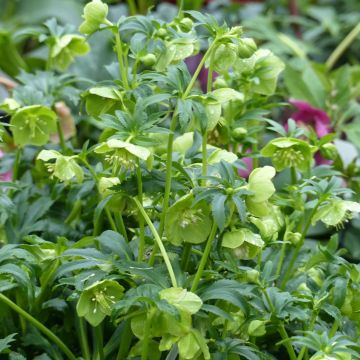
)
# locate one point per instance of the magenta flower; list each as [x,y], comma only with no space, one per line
[249,166]
[308,115]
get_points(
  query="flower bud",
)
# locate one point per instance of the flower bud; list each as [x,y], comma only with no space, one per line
[329,151]
[236,30]
[224,57]
[294,237]
[239,133]
[252,276]
[148,60]
[246,48]
[95,13]
[186,24]
[220,83]
[161,33]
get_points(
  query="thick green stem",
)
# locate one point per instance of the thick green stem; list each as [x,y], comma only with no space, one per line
[132,7]
[186,256]
[16,165]
[98,342]
[158,241]
[125,341]
[147,335]
[141,221]
[39,326]
[340,49]
[111,220]
[119,53]
[83,339]
[204,258]
[287,344]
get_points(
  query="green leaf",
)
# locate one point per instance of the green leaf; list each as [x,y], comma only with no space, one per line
[5,342]
[219,210]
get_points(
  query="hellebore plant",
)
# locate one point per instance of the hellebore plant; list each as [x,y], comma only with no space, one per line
[136,237]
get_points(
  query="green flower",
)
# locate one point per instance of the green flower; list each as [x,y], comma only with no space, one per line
[123,154]
[66,48]
[244,243]
[95,13]
[187,223]
[182,299]
[65,167]
[289,152]
[33,125]
[224,57]
[262,189]
[269,225]
[105,185]
[97,300]
[336,212]
[257,328]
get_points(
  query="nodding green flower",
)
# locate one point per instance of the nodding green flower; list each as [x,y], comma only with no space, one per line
[188,223]
[121,154]
[96,301]
[289,152]
[64,168]
[33,125]
[336,212]
[224,57]
[66,48]
[95,13]
[105,185]
[257,328]
[244,243]
[262,189]
[269,225]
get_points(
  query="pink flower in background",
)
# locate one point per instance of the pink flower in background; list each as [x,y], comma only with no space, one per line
[307,115]
[6,176]
[249,167]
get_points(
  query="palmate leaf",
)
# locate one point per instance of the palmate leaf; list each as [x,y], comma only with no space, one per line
[235,346]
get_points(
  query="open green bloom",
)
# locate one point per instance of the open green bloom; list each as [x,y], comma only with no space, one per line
[257,328]
[95,13]
[66,48]
[187,223]
[244,243]
[105,185]
[33,125]
[262,189]
[193,346]
[224,57]
[336,212]
[289,152]
[65,167]
[122,154]
[97,300]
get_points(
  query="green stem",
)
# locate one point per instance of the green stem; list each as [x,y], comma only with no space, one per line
[340,49]
[141,221]
[186,256]
[16,165]
[98,340]
[255,160]
[61,136]
[147,335]
[125,341]
[119,53]
[281,259]
[120,225]
[39,326]
[21,319]
[334,329]
[158,241]
[132,7]
[204,258]
[204,158]
[111,220]
[83,339]
[287,344]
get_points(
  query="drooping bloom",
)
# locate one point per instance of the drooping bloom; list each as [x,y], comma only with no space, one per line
[307,115]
